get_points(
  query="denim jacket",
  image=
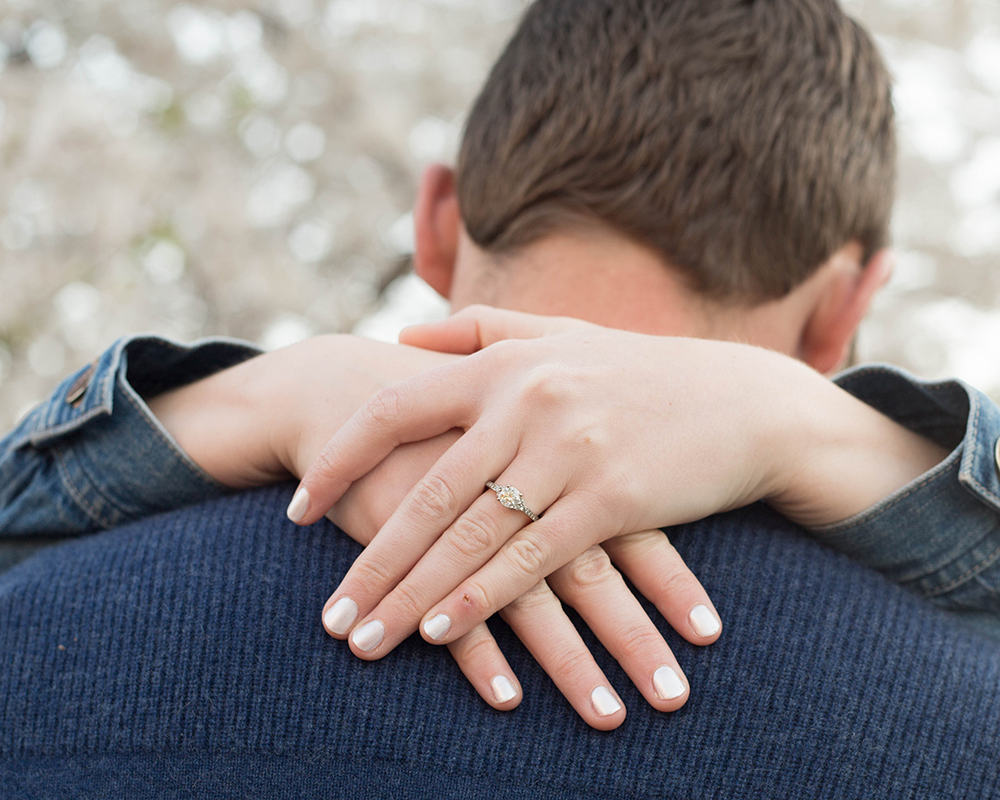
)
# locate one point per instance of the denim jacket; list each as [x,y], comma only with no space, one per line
[93,456]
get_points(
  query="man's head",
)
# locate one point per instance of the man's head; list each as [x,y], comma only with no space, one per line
[741,147]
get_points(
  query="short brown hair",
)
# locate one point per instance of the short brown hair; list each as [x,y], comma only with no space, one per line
[743,140]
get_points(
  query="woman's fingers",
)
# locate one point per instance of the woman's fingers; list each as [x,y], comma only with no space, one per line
[526,558]
[429,508]
[592,586]
[660,574]
[394,582]
[539,549]
[538,620]
[410,411]
[482,662]
[479,326]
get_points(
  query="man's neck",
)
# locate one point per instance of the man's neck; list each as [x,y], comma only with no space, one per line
[605,279]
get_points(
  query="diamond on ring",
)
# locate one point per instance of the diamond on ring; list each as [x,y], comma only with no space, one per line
[511,498]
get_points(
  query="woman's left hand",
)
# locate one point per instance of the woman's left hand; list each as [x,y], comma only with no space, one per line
[603,431]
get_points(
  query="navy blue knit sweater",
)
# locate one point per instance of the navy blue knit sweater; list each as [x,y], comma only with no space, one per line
[184,657]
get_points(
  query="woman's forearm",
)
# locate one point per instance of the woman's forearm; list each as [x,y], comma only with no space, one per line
[266,419]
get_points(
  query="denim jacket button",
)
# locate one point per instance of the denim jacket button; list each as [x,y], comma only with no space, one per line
[79,387]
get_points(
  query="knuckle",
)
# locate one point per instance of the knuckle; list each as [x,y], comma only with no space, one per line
[637,641]
[433,498]
[372,573]
[546,385]
[538,598]
[478,650]
[507,349]
[527,556]
[678,582]
[574,665]
[326,464]
[500,355]
[476,534]
[591,568]
[407,596]
[383,409]
[475,600]
[590,436]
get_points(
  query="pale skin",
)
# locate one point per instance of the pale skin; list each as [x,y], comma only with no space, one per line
[252,424]
[538,414]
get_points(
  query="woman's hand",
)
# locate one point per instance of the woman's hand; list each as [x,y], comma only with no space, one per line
[268,418]
[606,432]
[590,583]
[558,417]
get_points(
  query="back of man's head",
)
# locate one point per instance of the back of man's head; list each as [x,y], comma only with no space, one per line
[744,141]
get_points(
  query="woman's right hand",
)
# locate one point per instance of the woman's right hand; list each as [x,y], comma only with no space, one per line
[593,584]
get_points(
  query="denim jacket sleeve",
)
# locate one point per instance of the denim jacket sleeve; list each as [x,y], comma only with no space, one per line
[93,456]
[940,534]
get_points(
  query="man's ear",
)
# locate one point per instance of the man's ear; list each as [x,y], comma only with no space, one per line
[846,295]
[436,222]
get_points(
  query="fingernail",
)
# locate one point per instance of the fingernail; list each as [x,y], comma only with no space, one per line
[704,622]
[604,702]
[438,626]
[667,683]
[503,689]
[299,505]
[368,636]
[339,617]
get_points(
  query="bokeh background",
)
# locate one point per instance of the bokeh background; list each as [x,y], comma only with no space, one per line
[246,168]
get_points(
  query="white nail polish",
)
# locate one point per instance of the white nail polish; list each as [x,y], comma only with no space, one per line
[503,689]
[667,683]
[368,636]
[437,626]
[604,702]
[704,622]
[299,505]
[339,617]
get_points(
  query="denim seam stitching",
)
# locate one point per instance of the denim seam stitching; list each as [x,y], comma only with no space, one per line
[974,426]
[969,573]
[870,514]
[77,495]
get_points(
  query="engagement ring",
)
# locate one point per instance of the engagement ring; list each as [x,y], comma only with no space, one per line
[511,498]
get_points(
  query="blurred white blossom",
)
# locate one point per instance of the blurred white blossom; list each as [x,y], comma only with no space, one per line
[164,262]
[45,43]
[305,142]
[199,34]
[286,329]
[192,168]
[311,240]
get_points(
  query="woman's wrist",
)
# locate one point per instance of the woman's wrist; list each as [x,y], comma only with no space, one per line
[837,456]
[223,423]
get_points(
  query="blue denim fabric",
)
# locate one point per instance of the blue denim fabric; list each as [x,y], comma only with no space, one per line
[940,535]
[183,657]
[74,468]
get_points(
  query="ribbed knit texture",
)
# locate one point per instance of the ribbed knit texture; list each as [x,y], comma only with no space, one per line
[184,657]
